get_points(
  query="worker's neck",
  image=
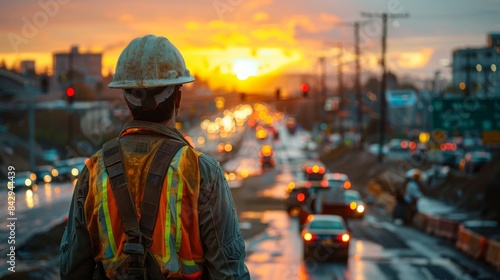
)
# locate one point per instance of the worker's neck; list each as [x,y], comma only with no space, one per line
[170,122]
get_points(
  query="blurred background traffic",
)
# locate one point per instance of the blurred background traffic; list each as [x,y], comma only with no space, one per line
[305,105]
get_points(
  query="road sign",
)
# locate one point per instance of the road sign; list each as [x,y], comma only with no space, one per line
[466,115]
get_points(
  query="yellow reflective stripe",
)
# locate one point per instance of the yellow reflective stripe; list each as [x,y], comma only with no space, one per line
[168,216]
[188,262]
[105,207]
[178,203]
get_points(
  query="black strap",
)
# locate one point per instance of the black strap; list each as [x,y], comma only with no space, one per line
[114,167]
[152,192]
[154,182]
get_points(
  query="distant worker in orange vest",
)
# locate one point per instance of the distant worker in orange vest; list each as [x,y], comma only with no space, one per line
[148,205]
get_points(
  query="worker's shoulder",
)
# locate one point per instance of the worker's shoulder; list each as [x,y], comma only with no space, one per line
[208,160]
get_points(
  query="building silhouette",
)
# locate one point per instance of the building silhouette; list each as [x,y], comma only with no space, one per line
[477,70]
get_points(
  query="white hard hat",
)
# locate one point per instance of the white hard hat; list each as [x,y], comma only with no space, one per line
[148,62]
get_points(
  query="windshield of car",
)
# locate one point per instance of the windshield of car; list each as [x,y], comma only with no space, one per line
[352,196]
[336,183]
[326,224]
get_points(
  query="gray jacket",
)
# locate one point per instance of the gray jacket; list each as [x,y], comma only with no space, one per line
[224,248]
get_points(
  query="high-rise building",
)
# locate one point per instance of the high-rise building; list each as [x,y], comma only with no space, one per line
[27,67]
[88,64]
[477,70]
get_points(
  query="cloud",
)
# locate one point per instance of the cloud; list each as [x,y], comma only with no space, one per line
[413,60]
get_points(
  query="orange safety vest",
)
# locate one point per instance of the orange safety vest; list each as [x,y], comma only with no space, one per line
[176,242]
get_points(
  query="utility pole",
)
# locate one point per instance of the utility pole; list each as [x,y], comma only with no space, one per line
[340,91]
[357,80]
[383,101]
[322,65]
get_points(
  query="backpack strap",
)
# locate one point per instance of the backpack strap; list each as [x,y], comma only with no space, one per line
[113,160]
[135,229]
[154,183]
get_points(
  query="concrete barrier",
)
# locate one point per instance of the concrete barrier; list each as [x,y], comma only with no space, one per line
[477,246]
[447,229]
[432,225]
[493,253]
[463,238]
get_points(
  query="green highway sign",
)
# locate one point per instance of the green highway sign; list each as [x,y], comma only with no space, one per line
[466,115]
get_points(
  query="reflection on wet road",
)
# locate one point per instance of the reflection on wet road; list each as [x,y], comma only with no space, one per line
[277,254]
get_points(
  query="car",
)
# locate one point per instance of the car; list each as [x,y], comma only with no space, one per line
[46,173]
[473,161]
[374,149]
[314,170]
[69,169]
[451,158]
[356,203]
[326,236]
[23,180]
[399,145]
[298,194]
[328,199]
[267,156]
[337,180]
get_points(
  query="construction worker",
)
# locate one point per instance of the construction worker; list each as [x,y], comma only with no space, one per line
[411,196]
[148,205]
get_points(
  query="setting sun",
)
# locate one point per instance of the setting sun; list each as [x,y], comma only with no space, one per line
[244,68]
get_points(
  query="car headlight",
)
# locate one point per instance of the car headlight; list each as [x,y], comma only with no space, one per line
[28,182]
[47,178]
[75,172]
[360,209]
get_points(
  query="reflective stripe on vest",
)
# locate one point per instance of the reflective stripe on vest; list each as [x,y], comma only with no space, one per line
[175,255]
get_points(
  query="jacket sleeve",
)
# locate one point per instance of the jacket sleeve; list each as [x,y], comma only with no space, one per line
[224,248]
[76,261]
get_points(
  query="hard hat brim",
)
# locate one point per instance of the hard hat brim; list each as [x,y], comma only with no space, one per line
[124,84]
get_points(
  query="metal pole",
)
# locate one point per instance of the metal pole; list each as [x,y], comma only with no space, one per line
[359,100]
[341,93]
[31,128]
[383,102]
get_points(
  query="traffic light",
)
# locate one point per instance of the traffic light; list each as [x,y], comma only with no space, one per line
[304,88]
[70,95]
[44,84]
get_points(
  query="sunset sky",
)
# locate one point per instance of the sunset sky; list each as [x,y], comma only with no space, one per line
[230,40]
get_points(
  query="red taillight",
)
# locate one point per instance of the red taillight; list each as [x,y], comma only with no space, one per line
[321,170]
[404,144]
[309,170]
[324,183]
[413,145]
[301,197]
[308,184]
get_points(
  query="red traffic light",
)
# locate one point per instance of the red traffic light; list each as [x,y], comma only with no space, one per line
[304,88]
[70,92]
